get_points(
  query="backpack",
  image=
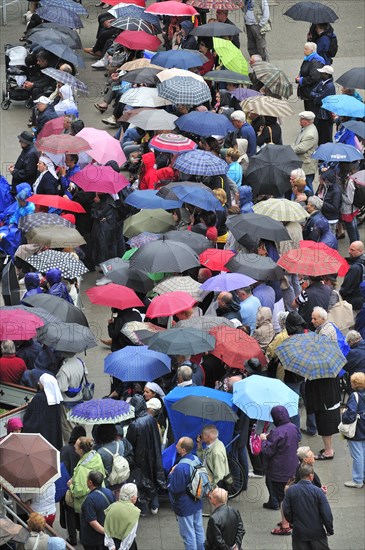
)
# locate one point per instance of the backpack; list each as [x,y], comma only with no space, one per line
[120,468]
[199,485]
[333,49]
[359,195]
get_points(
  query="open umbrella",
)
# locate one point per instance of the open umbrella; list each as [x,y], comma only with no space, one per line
[224,75]
[267,106]
[103,147]
[143,97]
[215,4]
[101,411]
[171,7]
[67,337]
[230,56]
[44,315]
[201,163]
[28,463]
[64,237]
[311,356]
[261,268]
[67,5]
[145,75]
[134,363]
[257,227]
[164,257]
[60,308]
[354,78]
[138,40]
[313,12]
[281,210]
[359,177]
[18,325]
[134,24]
[42,218]
[155,221]
[179,284]
[152,119]
[46,32]
[356,126]
[215,29]
[62,16]
[65,78]
[138,12]
[172,143]
[334,253]
[112,295]
[69,265]
[309,261]
[257,395]
[205,323]
[64,143]
[243,93]
[170,304]
[205,124]
[274,78]
[148,199]
[227,282]
[139,240]
[166,74]
[182,59]
[196,242]
[182,341]
[118,271]
[197,196]
[100,179]
[184,90]
[63,51]
[337,152]
[52,127]
[215,259]
[10,289]
[234,347]
[55,201]
[344,105]
[205,407]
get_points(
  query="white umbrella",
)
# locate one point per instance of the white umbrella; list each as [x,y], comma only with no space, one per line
[143,97]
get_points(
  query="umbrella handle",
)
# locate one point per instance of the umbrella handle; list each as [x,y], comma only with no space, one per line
[169,322]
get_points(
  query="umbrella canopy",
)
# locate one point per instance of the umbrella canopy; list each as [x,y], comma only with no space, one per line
[10,531]
[103,147]
[148,199]
[215,4]
[145,75]
[52,127]
[171,7]
[28,463]
[311,356]
[267,106]
[55,33]
[344,105]
[274,78]
[257,395]
[139,64]
[257,227]
[197,196]
[281,210]
[112,295]
[155,221]
[359,177]
[68,6]
[354,78]
[18,324]
[243,93]
[309,261]
[42,218]
[179,284]
[227,282]
[261,268]
[46,317]
[69,265]
[63,143]
[314,12]
[60,308]
[65,78]
[201,163]
[101,411]
[64,237]
[10,289]
[134,363]
[268,171]
[63,52]
[337,152]
[334,253]
[62,16]
[169,304]
[234,347]
[100,179]
[182,59]
[140,240]
[138,12]
[153,119]
[215,259]
[215,29]
[67,337]
[184,90]
[172,143]
[182,341]
[55,201]
[205,407]
[205,124]
[143,97]
[164,256]
[166,74]
[224,75]
[118,271]
[138,40]
[230,56]
[135,24]
[196,242]
[356,126]
[205,323]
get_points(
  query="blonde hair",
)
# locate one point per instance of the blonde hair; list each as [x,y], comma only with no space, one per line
[221,195]
[85,443]
[299,183]
[358,381]
[36,522]
[233,153]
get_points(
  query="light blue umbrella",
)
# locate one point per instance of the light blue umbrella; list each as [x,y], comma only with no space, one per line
[137,363]
[227,282]
[337,152]
[344,105]
[149,200]
[257,395]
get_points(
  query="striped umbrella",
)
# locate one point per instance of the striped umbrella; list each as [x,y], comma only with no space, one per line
[214,4]
[172,143]
[66,78]
[274,78]
[281,210]
[267,106]
[309,261]
[184,90]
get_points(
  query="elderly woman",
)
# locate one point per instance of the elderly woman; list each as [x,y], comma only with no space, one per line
[38,540]
[47,181]
[314,205]
[264,332]
[12,367]
[121,520]
[308,75]
[356,408]
[67,101]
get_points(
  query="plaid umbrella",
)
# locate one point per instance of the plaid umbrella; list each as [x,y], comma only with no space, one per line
[152,119]
[354,78]
[101,411]
[155,221]
[201,163]
[64,17]
[166,74]
[230,56]
[64,143]
[46,236]
[42,218]
[69,265]
[216,259]
[214,5]
[172,143]
[66,78]
[308,261]
[184,90]
[274,78]
[311,356]
[143,97]
[66,5]
[267,106]
[281,210]
[134,24]
[234,347]
[334,253]
[181,284]
[136,12]
[171,7]
[223,75]
[138,40]
[205,124]
[137,363]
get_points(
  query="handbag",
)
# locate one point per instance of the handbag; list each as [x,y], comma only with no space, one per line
[87,389]
[255,441]
[349,430]
[341,314]
[69,499]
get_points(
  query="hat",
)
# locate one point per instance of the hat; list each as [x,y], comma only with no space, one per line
[43,99]
[128,491]
[326,69]
[253,366]
[154,404]
[13,424]
[187,26]
[26,137]
[307,115]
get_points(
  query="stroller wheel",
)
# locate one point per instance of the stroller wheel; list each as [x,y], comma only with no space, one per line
[5,104]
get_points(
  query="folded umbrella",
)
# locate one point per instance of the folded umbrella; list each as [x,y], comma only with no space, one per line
[344,105]
[18,325]
[171,7]
[101,411]
[166,74]
[267,106]
[261,268]
[143,97]
[64,237]
[137,363]
[64,143]
[182,341]
[65,78]
[172,143]
[182,59]
[152,119]
[205,124]
[205,323]
[215,29]
[256,227]
[52,32]
[311,356]
[155,221]
[205,407]
[337,152]
[145,75]
[215,259]
[234,347]
[196,242]
[230,56]
[179,284]
[116,296]
[273,78]
[60,308]
[103,147]
[354,78]
[100,179]
[227,282]
[69,265]
[118,271]
[138,40]
[62,16]
[67,337]
[309,261]
[281,210]
[223,75]
[201,163]
[55,201]
[356,126]
[313,12]
[334,253]
[197,196]
[184,90]
[169,304]
[149,200]
[10,289]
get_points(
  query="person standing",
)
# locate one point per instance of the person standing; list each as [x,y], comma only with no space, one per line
[306,507]
[225,527]
[350,290]
[121,520]
[323,120]
[214,456]
[70,377]
[92,515]
[305,144]
[25,167]
[257,21]
[308,75]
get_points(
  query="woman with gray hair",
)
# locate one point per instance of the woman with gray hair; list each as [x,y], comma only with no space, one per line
[12,367]
[121,520]
[314,206]
[308,75]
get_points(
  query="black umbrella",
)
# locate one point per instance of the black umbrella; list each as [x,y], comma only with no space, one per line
[354,78]
[356,126]
[205,407]
[164,256]
[269,170]
[142,76]
[215,29]
[67,337]
[257,227]
[63,52]
[66,312]
[224,75]
[313,12]
[181,341]
[65,31]
[261,268]
[50,34]
[9,285]
[197,242]
[119,271]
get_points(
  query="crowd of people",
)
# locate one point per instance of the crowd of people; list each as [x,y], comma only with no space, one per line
[201,156]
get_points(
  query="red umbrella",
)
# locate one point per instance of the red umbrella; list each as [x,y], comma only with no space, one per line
[169,304]
[52,127]
[140,3]
[172,143]
[61,144]
[215,259]
[138,40]
[333,253]
[234,347]
[18,324]
[100,179]
[112,295]
[171,8]
[309,261]
[56,201]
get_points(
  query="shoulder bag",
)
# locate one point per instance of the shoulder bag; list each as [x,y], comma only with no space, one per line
[349,430]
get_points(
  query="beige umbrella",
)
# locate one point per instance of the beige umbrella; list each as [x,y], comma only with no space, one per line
[139,64]
[183,284]
[47,236]
[267,106]
[170,73]
[155,221]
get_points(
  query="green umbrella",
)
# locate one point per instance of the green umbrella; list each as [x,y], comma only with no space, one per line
[230,56]
[154,221]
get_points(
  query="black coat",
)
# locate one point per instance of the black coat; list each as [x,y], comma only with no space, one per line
[308,72]
[25,168]
[350,290]
[104,233]
[44,419]
[225,528]
[119,340]
[356,358]
[48,114]
[319,92]
[48,185]
[332,199]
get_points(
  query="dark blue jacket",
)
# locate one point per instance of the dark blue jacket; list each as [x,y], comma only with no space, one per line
[356,358]
[48,114]
[309,76]
[323,46]
[319,92]
[306,508]
[350,289]
[353,409]
[309,233]
[182,504]
[48,185]
[247,132]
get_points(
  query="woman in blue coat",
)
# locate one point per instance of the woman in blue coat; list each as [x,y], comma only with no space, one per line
[356,406]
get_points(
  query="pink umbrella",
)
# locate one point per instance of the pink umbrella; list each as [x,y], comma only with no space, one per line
[99,179]
[171,7]
[52,127]
[18,324]
[103,146]
[169,304]
[172,143]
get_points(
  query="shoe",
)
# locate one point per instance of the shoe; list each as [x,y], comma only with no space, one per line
[103,281]
[99,4]
[253,475]
[111,121]
[353,485]
[90,51]
[154,511]
[270,506]
[307,432]
[98,64]
[21,282]
[321,456]
[99,108]
[282,531]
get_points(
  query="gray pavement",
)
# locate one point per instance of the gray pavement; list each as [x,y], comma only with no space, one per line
[285,45]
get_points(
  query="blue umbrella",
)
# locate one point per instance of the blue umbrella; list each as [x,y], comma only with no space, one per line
[356,126]
[63,52]
[136,12]
[227,282]
[134,363]
[67,5]
[201,163]
[257,395]
[149,199]
[101,411]
[205,124]
[197,196]
[55,14]
[181,59]
[337,152]
[344,105]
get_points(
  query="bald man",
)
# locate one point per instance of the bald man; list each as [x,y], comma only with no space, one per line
[350,290]
[228,307]
[225,527]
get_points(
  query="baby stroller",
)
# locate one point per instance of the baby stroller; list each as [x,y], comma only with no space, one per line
[16,75]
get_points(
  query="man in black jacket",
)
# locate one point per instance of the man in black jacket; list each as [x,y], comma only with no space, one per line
[45,113]
[25,167]
[350,289]
[308,75]
[225,527]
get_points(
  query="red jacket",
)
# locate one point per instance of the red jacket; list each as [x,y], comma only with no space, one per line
[151,176]
[11,369]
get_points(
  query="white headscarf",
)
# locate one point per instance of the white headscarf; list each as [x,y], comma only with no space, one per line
[156,389]
[51,389]
[66,92]
[67,100]
[50,166]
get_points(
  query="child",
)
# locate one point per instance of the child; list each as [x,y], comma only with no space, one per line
[235,170]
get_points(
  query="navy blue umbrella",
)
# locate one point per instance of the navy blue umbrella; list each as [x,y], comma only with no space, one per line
[136,363]
[182,59]
[135,12]
[148,199]
[205,124]
[67,5]
[337,152]
[56,14]
[201,163]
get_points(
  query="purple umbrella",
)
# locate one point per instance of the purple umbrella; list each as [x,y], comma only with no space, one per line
[227,282]
[244,93]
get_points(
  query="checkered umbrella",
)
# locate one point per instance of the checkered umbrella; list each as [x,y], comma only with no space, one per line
[281,210]
[214,4]
[201,163]
[134,24]
[66,78]
[67,5]
[63,143]
[136,12]
[42,218]
[267,106]
[56,15]
[309,261]
[274,78]
[311,356]
[184,90]
[183,284]
[69,265]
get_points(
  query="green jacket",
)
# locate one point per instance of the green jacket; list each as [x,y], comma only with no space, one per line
[79,489]
[215,460]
